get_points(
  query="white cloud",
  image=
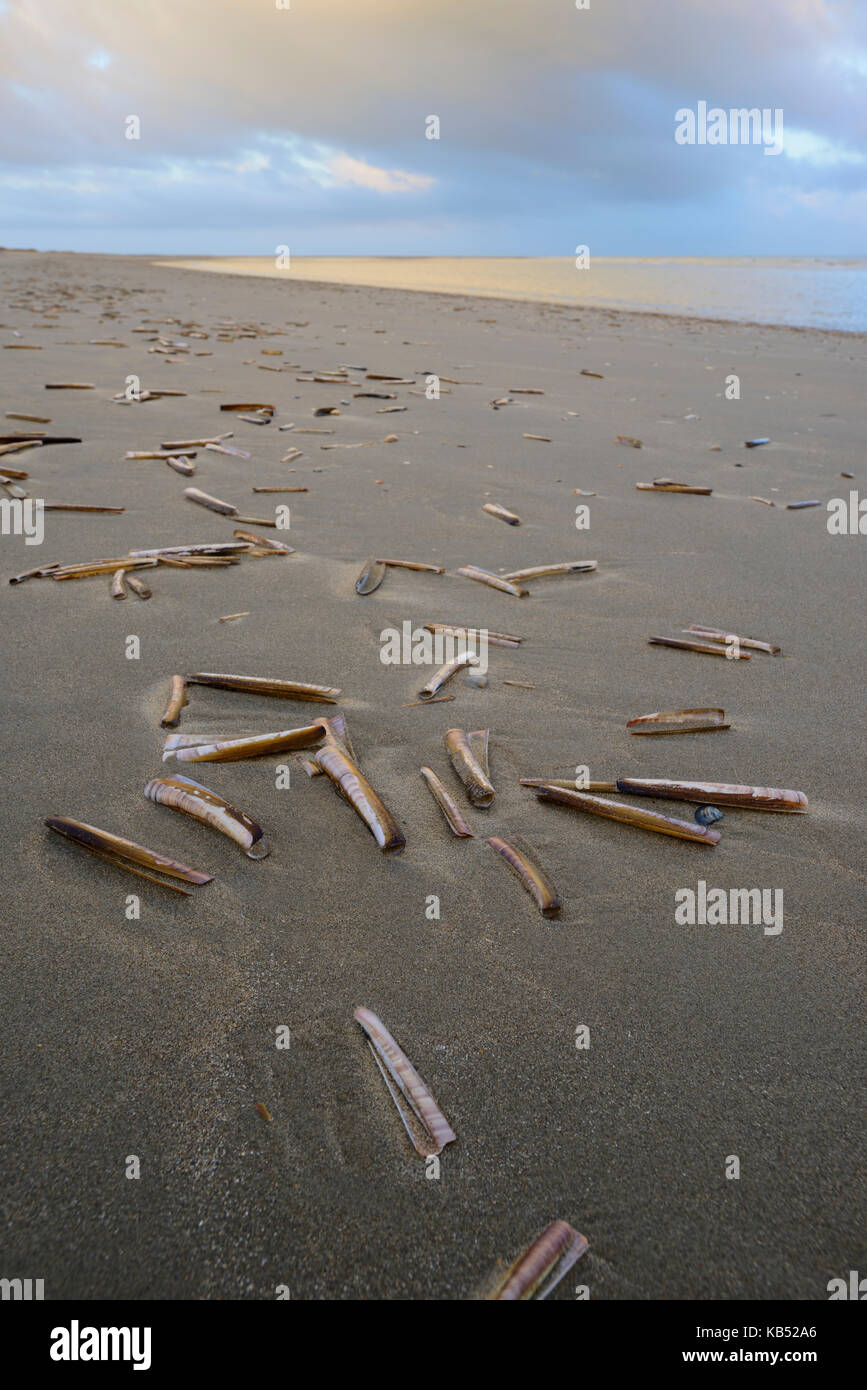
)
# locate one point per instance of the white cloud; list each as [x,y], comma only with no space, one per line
[816,149]
[348,171]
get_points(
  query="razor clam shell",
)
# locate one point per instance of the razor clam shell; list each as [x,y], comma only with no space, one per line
[666,486]
[450,809]
[12,489]
[716,634]
[116,848]
[263,685]
[501,513]
[568,783]
[371,577]
[523,861]
[543,571]
[397,1065]
[445,673]
[214,504]
[468,754]
[629,815]
[41,573]
[257,746]
[189,562]
[559,1246]
[181,465]
[362,798]
[118,588]
[678,721]
[173,444]
[205,548]
[492,580]
[472,634]
[724,793]
[262,541]
[412,565]
[335,734]
[174,741]
[138,587]
[177,700]
[183,794]
[707,648]
[85,571]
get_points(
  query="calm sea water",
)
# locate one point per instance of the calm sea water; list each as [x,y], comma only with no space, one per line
[818,293]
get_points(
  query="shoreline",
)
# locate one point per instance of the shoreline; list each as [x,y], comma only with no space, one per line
[200,264]
[203,263]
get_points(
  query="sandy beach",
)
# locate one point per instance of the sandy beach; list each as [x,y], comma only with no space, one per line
[156,1037]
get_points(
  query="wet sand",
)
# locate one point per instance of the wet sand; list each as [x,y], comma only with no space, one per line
[156,1037]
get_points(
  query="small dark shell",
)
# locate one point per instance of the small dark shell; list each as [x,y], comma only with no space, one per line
[706,815]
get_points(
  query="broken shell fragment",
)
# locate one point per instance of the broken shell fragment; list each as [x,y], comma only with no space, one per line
[206,548]
[726,793]
[666,485]
[183,794]
[412,565]
[181,465]
[119,851]
[214,504]
[718,634]
[263,542]
[424,1122]
[708,815]
[371,577]
[118,588]
[473,635]
[553,1254]
[678,721]
[544,571]
[494,509]
[523,861]
[468,754]
[175,445]
[629,815]
[445,673]
[177,700]
[493,580]
[263,685]
[138,586]
[449,807]
[706,648]
[40,573]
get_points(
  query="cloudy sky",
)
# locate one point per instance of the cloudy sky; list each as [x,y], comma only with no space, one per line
[305,126]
